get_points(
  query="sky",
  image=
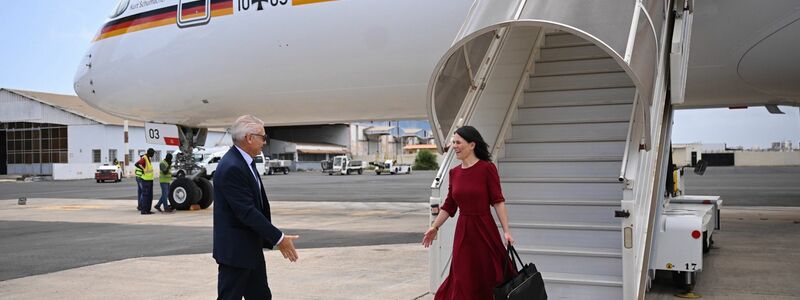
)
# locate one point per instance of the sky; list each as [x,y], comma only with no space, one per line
[42,42]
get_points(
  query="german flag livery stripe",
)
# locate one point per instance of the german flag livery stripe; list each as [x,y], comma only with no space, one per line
[162,17]
[304,2]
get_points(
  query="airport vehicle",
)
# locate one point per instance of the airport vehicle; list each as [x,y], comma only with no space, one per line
[684,230]
[390,166]
[210,163]
[344,165]
[273,166]
[574,98]
[106,172]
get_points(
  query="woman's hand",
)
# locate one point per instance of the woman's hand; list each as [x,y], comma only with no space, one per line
[509,239]
[430,235]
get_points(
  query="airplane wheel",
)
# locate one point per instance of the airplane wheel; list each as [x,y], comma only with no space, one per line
[207,190]
[183,192]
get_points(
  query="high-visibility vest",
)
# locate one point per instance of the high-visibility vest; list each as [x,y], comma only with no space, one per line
[148,169]
[164,177]
[139,171]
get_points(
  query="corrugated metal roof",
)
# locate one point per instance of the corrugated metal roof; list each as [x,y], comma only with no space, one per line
[76,106]
[73,105]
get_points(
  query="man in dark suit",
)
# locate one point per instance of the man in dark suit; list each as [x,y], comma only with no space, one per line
[242,223]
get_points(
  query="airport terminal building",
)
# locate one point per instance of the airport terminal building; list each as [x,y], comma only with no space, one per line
[61,136]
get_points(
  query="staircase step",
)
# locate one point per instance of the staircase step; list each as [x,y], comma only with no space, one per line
[583,279]
[519,148]
[596,261]
[573,131]
[562,188]
[571,251]
[560,159]
[582,286]
[580,82]
[614,203]
[560,180]
[542,212]
[587,235]
[582,114]
[565,140]
[559,169]
[579,97]
[571,53]
[564,40]
[569,67]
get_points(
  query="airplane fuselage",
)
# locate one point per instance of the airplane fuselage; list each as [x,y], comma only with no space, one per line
[286,61]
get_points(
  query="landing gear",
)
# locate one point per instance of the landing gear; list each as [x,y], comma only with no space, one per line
[191,187]
[207,190]
[183,192]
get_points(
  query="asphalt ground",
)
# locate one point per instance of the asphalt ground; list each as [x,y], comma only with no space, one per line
[748,186]
[738,186]
[335,212]
[31,248]
[299,186]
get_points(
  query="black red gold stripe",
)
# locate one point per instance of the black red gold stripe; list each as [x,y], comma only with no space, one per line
[161,17]
[304,2]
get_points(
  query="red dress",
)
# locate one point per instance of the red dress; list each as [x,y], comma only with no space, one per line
[478,251]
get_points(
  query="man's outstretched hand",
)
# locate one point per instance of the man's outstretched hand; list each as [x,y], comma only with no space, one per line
[287,247]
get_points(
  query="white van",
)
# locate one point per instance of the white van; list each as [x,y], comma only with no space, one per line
[210,163]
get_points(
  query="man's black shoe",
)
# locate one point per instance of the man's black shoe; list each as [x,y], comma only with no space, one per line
[158,209]
[147,212]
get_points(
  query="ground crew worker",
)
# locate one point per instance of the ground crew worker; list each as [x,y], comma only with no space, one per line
[146,200]
[164,178]
[139,172]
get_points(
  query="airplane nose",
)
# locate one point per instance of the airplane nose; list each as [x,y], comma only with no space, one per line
[82,82]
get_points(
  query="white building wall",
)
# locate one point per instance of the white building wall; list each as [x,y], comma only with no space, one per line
[770,158]
[15,108]
[82,139]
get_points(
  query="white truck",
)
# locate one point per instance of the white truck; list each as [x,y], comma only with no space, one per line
[391,167]
[210,163]
[344,165]
[273,166]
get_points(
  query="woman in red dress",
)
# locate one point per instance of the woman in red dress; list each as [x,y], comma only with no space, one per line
[478,251]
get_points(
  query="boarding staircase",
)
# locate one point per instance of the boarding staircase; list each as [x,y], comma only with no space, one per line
[561,164]
[576,122]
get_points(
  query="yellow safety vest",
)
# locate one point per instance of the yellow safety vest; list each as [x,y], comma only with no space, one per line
[164,177]
[139,172]
[148,169]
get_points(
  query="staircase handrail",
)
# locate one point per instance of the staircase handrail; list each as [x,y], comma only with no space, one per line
[500,140]
[467,109]
[623,169]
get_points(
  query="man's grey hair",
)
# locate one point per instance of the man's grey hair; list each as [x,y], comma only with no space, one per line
[245,125]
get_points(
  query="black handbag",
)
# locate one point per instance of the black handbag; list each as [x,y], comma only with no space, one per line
[527,285]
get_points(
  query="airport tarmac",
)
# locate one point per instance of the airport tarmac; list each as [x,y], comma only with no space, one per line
[72,247]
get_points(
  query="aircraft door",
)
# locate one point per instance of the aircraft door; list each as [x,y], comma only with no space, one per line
[193,12]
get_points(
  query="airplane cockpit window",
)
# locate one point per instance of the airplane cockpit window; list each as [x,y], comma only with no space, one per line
[121,7]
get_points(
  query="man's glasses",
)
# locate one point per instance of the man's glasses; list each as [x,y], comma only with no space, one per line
[263,136]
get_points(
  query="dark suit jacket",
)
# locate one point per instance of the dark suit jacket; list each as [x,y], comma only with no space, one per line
[242,228]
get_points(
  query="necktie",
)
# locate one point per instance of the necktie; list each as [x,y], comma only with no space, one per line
[258,194]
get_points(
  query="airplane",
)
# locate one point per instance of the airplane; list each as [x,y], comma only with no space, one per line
[544,80]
